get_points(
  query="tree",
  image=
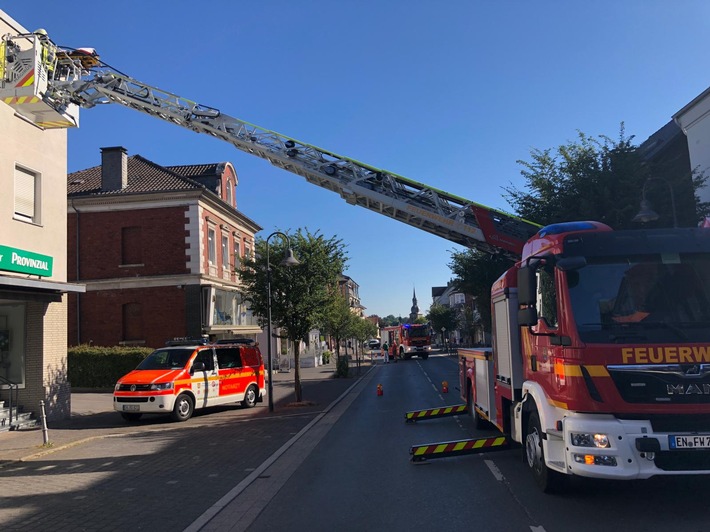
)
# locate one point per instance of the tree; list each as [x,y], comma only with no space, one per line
[337,320]
[602,179]
[591,179]
[298,294]
[440,316]
[362,330]
[474,274]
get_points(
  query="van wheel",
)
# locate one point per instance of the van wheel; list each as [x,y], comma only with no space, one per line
[549,481]
[182,411]
[250,397]
[131,417]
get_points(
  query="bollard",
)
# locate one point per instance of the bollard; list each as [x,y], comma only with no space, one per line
[444,387]
[45,433]
[379,390]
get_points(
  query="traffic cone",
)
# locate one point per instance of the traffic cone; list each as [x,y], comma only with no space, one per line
[379,389]
[444,387]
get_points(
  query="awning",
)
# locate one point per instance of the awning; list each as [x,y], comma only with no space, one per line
[35,289]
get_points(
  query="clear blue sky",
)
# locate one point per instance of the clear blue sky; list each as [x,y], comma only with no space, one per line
[451,94]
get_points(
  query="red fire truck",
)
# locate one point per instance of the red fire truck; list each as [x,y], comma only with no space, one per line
[600,365]
[410,340]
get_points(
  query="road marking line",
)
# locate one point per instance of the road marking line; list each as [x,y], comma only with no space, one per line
[494,470]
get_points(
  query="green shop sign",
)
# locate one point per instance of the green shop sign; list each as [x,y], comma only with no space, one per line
[19,260]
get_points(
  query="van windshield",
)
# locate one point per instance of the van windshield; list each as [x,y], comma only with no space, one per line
[175,358]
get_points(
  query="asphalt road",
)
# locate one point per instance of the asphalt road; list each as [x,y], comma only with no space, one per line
[345,468]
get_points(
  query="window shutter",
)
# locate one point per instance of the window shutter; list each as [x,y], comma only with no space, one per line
[24,193]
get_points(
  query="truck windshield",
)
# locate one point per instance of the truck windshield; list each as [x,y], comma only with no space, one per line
[167,359]
[643,299]
[418,332]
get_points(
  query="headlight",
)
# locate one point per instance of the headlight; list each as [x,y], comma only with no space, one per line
[117,387]
[600,441]
[162,386]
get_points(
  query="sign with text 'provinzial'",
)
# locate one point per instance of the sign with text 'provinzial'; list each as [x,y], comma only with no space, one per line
[22,261]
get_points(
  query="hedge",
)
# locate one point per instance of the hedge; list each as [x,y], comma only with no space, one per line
[90,366]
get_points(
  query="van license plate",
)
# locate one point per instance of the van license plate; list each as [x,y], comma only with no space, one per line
[131,408]
[693,441]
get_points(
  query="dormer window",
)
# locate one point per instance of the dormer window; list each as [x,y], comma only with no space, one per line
[228,197]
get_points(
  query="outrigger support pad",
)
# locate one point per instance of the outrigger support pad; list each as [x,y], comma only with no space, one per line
[459,447]
[444,411]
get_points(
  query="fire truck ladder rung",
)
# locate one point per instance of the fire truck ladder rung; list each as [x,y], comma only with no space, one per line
[457,448]
[444,411]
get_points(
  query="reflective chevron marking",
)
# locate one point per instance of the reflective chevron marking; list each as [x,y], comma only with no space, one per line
[454,410]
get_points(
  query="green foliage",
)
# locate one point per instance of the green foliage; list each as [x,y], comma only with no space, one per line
[440,316]
[100,367]
[337,320]
[299,294]
[475,272]
[390,320]
[326,357]
[342,367]
[602,179]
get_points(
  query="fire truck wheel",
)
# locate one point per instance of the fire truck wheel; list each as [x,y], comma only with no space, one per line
[250,397]
[131,417]
[182,411]
[549,481]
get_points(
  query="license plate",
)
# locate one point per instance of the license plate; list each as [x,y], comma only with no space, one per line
[131,408]
[693,441]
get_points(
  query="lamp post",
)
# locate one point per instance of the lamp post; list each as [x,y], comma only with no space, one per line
[443,336]
[288,261]
[647,214]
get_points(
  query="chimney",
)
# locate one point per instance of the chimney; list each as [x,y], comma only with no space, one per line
[114,168]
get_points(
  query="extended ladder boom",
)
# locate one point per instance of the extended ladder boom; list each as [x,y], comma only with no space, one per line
[71,83]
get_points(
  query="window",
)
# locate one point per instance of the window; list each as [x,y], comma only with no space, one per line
[131,246]
[205,356]
[228,188]
[225,252]
[211,250]
[132,322]
[547,296]
[237,254]
[228,357]
[26,195]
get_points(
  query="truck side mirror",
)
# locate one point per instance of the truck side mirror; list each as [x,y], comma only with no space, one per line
[527,316]
[197,366]
[527,286]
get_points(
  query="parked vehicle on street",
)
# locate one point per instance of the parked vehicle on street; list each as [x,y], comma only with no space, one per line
[187,375]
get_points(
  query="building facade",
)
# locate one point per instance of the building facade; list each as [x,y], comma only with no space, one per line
[33,266]
[156,247]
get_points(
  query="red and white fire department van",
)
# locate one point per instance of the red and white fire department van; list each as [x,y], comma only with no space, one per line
[187,375]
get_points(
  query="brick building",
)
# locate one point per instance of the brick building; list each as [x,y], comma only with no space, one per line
[156,247]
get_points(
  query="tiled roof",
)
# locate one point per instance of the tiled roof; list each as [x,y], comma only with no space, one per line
[197,170]
[143,176]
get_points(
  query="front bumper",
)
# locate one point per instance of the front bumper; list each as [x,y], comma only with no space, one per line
[635,451]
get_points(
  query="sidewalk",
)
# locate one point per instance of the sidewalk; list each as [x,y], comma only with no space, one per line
[93,415]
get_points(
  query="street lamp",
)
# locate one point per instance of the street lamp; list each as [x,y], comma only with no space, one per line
[647,214]
[288,261]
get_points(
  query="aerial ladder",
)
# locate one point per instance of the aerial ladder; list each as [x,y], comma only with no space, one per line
[48,85]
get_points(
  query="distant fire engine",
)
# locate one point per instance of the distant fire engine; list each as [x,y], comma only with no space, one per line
[409,339]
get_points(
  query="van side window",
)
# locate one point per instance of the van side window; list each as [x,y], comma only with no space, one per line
[228,357]
[205,356]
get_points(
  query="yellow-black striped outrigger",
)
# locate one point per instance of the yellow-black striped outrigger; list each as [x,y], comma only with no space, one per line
[454,410]
[460,447]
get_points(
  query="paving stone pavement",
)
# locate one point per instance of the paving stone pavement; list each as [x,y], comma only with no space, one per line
[103,474]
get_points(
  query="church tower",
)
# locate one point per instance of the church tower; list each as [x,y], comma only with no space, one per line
[414,313]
